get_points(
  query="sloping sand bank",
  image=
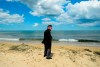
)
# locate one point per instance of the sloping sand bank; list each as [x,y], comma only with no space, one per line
[31,55]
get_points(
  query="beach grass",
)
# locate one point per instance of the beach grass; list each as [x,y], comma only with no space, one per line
[22,47]
[97,52]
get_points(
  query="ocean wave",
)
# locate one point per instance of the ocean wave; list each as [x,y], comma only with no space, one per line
[78,40]
[67,40]
[61,40]
[10,39]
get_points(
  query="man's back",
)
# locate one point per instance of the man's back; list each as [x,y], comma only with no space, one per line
[47,36]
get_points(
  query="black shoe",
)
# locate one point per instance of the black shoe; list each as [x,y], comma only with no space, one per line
[45,55]
[48,58]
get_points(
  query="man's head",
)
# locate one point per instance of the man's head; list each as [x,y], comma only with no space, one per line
[49,27]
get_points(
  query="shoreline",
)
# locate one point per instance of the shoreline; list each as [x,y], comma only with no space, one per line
[59,40]
[90,44]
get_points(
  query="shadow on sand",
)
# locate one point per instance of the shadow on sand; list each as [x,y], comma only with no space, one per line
[51,55]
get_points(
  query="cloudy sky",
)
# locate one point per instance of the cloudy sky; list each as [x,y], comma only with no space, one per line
[62,14]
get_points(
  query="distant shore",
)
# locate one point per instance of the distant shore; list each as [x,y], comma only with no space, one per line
[26,54]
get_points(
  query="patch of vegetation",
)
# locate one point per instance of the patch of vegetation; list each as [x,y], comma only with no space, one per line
[88,54]
[36,47]
[72,59]
[73,51]
[97,52]
[62,53]
[93,59]
[2,44]
[21,47]
[88,50]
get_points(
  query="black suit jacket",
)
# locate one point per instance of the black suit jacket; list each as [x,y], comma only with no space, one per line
[47,37]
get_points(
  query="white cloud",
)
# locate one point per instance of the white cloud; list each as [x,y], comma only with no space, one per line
[85,9]
[46,19]
[94,0]
[65,18]
[45,7]
[34,13]
[84,13]
[51,23]
[6,17]
[35,24]
[89,24]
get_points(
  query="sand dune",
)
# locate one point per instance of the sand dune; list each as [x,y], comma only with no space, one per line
[29,55]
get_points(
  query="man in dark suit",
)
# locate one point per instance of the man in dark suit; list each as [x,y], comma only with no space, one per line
[47,42]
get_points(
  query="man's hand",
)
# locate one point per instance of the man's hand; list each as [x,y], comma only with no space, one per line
[42,42]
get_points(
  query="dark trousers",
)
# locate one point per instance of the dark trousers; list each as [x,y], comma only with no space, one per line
[47,50]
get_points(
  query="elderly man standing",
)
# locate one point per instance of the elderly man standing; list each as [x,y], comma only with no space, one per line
[47,42]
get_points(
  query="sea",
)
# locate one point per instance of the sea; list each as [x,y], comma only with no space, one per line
[92,37]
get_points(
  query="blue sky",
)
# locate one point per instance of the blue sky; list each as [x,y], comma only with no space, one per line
[37,14]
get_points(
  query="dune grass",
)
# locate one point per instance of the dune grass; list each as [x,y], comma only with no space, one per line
[22,47]
[97,52]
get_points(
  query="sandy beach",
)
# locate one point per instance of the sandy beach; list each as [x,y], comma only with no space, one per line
[31,55]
